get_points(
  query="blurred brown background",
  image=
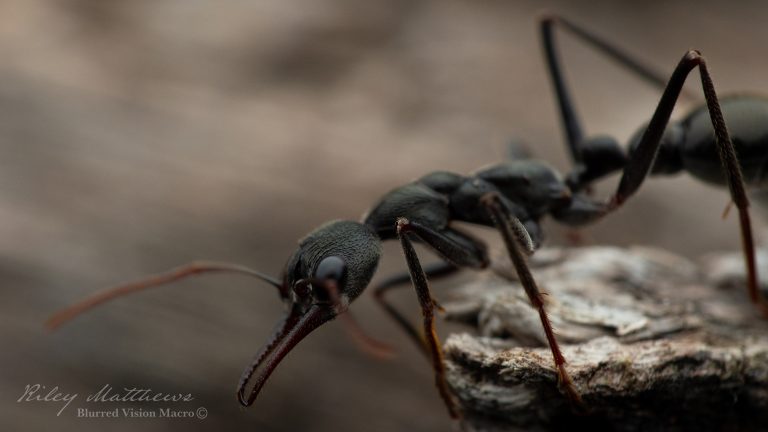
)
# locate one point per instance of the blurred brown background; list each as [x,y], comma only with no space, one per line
[136,136]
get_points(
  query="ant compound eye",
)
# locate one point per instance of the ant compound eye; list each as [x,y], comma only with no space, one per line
[331,267]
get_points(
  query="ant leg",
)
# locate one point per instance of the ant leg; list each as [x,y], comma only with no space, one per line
[573,132]
[506,222]
[173,275]
[432,272]
[458,254]
[643,156]
[571,123]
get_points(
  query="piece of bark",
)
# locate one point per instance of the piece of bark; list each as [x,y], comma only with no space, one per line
[653,341]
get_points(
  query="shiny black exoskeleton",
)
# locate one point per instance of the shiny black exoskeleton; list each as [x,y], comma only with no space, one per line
[528,189]
[689,144]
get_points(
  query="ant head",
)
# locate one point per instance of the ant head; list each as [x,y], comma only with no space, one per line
[335,262]
[331,267]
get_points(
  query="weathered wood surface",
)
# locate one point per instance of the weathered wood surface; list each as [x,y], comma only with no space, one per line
[654,341]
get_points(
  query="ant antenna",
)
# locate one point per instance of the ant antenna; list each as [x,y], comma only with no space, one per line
[173,275]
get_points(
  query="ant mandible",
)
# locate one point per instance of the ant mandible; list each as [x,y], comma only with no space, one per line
[336,262]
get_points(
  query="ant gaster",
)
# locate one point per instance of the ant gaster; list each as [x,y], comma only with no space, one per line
[336,262]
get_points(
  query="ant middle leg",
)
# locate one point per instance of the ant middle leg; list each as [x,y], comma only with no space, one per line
[509,227]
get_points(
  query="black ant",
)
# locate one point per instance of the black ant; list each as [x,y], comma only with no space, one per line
[336,262]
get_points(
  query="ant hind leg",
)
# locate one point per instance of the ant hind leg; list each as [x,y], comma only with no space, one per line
[645,153]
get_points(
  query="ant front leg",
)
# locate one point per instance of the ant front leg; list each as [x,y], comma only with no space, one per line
[461,251]
[509,227]
[645,153]
[432,272]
